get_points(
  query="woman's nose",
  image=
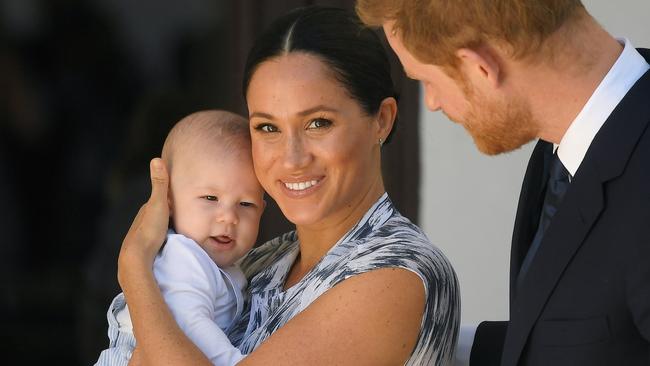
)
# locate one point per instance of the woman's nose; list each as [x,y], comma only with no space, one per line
[296,154]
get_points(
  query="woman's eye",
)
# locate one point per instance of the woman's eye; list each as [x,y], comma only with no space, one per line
[319,123]
[210,198]
[266,127]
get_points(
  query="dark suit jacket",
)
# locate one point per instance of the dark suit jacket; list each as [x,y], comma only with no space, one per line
[586,297]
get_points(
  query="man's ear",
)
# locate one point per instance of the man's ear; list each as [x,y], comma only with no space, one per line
[386,117]
[481,65]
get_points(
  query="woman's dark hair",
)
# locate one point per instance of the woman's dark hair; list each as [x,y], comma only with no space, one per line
[339,39]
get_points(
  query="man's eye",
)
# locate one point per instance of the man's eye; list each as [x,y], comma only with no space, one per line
[319,123]
[266,127]
[210,198]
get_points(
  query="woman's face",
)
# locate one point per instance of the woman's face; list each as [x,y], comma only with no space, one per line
[315,150]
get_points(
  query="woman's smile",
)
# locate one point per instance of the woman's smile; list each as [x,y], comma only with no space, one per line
[297,188]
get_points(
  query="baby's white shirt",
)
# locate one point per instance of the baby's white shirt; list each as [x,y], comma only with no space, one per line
[204,299]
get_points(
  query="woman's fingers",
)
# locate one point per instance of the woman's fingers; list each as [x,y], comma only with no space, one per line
[155,219]
[159,184]
[148,230]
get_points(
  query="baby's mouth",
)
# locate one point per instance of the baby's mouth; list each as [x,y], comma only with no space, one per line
[223,239]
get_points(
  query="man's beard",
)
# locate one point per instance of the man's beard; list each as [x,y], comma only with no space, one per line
[498,126]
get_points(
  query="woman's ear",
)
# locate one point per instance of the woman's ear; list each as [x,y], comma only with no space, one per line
[481,65]
[386,118]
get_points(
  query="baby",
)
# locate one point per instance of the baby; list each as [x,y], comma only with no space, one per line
[215,205]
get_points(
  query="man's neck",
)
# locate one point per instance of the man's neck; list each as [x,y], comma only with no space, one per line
[559,89]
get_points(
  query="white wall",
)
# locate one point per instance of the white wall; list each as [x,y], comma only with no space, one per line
[469,200]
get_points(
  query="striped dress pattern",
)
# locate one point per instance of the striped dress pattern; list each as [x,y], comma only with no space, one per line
[381,239]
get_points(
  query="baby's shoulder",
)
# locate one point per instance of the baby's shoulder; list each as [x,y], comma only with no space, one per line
[180,253]
[179,244]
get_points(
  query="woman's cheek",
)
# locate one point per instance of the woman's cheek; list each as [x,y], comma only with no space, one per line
[263,156]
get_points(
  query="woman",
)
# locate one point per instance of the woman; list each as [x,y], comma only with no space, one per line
[356,283]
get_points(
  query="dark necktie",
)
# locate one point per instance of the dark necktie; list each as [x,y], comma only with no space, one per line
[558,183]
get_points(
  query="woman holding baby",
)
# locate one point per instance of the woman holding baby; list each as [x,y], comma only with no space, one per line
[356,283]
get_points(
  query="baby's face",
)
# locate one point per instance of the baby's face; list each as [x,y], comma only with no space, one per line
[216,201]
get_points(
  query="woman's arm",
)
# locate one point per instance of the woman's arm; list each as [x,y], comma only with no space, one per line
[370,319]
[160,340]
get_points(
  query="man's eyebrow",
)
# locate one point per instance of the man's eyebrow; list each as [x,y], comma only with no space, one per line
[308,111]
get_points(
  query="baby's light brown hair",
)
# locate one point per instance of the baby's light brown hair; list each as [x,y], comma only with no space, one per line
[210,130]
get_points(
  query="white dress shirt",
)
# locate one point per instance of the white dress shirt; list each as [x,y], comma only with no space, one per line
[628,68]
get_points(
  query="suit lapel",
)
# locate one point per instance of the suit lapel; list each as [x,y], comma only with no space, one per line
[529,208]
[584,201]
[577,214]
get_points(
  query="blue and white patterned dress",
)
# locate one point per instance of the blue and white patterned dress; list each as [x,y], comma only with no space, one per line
[381,239]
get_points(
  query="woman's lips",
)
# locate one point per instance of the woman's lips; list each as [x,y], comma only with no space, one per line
[301,187]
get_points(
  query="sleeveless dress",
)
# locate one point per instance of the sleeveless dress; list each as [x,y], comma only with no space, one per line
[381,239]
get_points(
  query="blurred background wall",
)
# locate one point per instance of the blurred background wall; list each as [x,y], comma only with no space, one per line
[469,199]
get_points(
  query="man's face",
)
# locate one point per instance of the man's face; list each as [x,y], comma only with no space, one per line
[496,122]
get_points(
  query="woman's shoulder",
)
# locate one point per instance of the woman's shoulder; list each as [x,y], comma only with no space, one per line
[398,243]
[402,244]
[395,235]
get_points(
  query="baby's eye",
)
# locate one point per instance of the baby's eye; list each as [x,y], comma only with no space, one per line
[210,198]
[266,127]
[247,204]
[319,123]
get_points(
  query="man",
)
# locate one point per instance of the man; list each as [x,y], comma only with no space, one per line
[510,71]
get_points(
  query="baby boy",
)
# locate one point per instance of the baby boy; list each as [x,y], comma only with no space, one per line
[215,205]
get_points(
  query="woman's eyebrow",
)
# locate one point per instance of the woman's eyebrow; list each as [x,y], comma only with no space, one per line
[308,111]
[318,108]
[260,115]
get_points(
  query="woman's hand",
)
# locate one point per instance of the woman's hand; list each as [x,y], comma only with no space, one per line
[149,228]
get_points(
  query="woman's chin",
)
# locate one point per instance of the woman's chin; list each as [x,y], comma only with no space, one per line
[300,216]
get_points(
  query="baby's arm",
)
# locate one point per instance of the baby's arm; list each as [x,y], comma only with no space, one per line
[185,276]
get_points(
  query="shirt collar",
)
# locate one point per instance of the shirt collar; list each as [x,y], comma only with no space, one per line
[628,68]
